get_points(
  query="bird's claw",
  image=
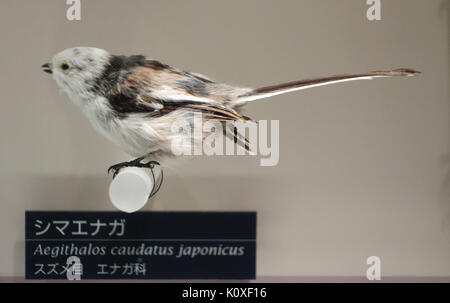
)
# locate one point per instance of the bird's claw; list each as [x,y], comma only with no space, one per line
[135,163]
[116,168]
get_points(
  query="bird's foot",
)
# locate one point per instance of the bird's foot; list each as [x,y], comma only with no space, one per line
[133,163]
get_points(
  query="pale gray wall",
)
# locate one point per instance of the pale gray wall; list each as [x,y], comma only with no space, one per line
[364,166]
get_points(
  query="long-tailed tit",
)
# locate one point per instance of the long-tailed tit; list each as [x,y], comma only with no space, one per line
[133,101]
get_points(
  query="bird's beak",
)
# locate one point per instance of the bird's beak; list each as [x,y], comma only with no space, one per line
[47,68]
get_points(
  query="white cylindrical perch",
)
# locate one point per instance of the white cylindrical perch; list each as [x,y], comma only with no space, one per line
[131,188]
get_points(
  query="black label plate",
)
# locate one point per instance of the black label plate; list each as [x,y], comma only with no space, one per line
[143,245]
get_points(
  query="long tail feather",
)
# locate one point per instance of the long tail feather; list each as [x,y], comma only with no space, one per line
[269,91]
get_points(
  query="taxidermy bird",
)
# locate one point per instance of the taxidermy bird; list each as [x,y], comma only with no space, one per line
[134,100]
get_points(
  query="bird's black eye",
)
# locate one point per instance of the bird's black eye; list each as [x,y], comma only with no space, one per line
[64,66]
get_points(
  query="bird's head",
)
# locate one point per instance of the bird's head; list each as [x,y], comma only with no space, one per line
[75,69]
